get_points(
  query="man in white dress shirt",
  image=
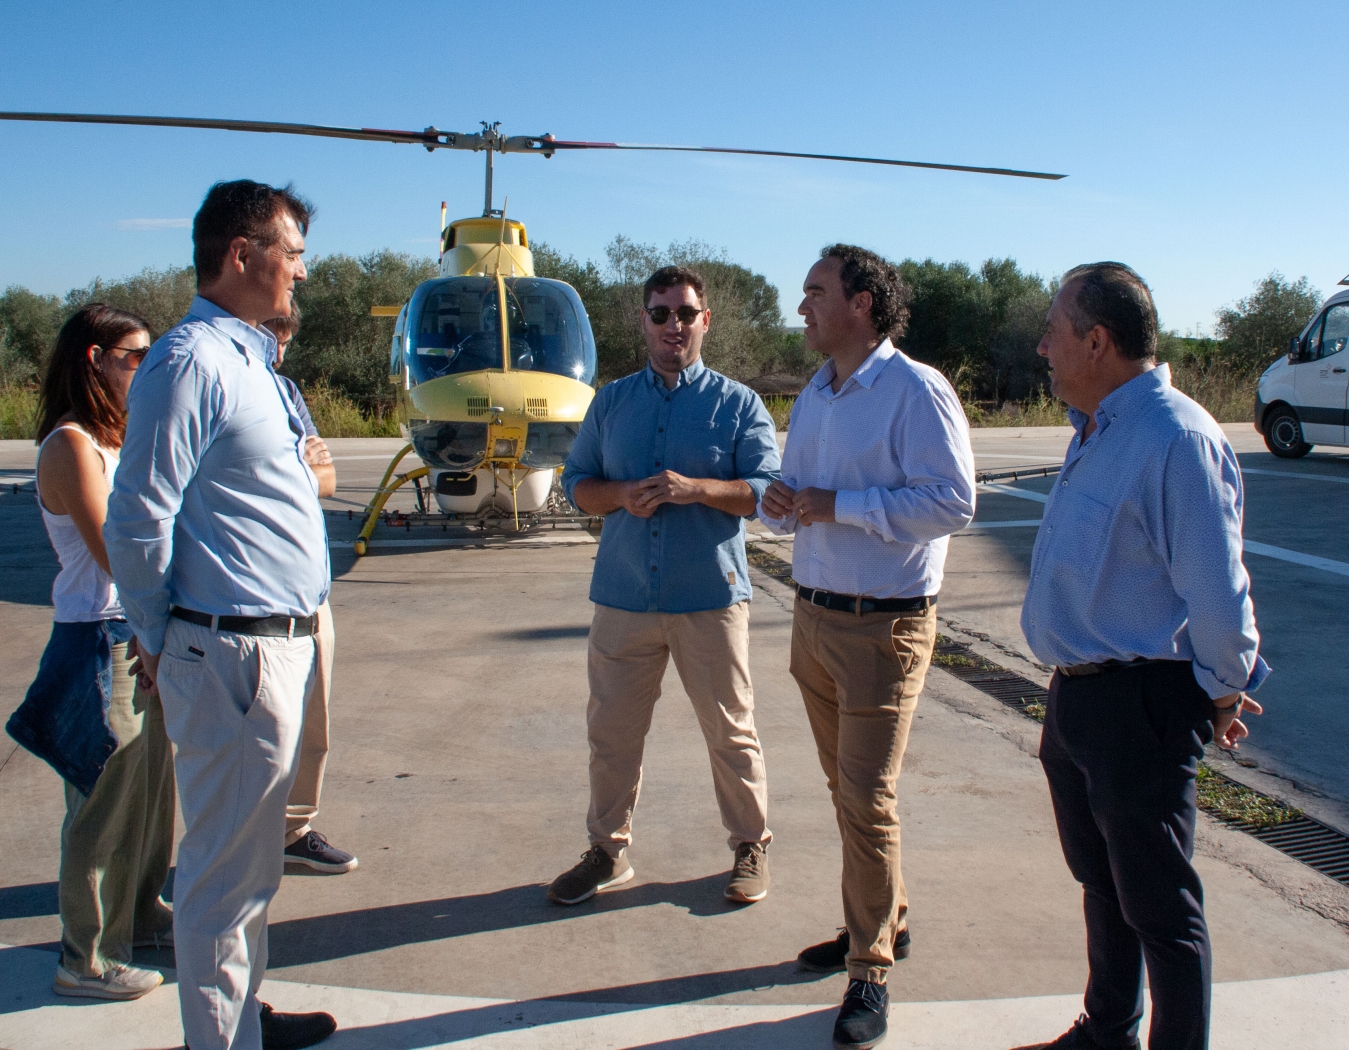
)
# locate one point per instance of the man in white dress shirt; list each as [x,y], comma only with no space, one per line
[877,473]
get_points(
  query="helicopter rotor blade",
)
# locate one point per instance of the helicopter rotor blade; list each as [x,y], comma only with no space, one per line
[431,138]
[558,144]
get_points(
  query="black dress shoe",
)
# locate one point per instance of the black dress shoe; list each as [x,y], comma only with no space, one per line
[1077,1038]
[832,956]
[294,1031]
[861,1020]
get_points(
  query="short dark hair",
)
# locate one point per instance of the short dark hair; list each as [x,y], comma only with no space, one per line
[671,277]
[74,385]
[1113,296]
[285,327]
[242,208]
[864,271]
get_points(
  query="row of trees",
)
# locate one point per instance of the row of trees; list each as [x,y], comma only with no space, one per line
[979,326]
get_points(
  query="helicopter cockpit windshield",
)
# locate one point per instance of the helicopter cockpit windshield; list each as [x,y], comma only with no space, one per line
[459,329]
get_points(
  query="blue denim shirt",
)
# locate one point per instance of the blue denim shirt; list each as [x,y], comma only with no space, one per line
[64,718]
[683,558]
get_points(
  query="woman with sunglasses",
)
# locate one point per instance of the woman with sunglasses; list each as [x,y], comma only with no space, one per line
[84,713]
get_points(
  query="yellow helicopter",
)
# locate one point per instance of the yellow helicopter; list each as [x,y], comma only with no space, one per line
[494,367]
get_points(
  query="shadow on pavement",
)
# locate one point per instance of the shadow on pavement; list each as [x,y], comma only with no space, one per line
[808,1029]
[26,902]
[340,935]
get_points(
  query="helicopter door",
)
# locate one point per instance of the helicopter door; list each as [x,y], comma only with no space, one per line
[396,350]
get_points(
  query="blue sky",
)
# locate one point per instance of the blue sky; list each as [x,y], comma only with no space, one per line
[1204,141]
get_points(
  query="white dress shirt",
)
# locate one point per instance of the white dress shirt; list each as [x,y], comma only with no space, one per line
[895,445]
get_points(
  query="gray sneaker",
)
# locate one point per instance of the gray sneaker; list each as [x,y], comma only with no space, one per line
[749,874]
[597,871]
[120,982]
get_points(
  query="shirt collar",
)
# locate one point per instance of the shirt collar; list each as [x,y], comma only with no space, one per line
[687,377]
[866,372]
[1124,399]
[257,341]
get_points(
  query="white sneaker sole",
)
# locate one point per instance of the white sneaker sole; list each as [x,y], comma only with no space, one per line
[617,880]
[744,898]
[326,869]
[83,991]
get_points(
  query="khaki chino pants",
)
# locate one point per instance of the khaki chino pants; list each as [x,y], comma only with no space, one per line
[628,655]
[860,677]
[116,844]
[303,805]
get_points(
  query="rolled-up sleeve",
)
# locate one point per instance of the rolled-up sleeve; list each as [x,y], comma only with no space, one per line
[173,412]
[1202,521]
[758,462]
[586,459]
[932,438]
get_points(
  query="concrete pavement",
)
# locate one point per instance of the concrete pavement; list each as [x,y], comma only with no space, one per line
[458,776]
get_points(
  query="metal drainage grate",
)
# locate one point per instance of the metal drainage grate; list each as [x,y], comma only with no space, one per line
[1298,835]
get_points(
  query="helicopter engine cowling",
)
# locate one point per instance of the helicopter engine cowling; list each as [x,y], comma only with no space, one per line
[469,493]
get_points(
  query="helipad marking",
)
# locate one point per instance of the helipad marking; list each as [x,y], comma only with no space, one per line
[1309,1011]
[1294,474]
[1340,568]
[546,540]
[1012,490]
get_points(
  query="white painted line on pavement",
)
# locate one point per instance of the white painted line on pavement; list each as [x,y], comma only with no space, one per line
[485,541]
[1028,523]
[1011,490]
[1309,1011]
[1298,558]
[386,457]
[1294,474]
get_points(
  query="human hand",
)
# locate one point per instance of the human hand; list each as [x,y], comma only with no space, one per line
[630,499]
[316,453]
[814,506]
[1228,729]
[668,487]
[144,668]
[777,500]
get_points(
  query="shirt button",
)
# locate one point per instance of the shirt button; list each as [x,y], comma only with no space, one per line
[653,568]
[658,464]
[655,533]
[660,430]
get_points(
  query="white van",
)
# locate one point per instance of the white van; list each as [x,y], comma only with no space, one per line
[1303,398]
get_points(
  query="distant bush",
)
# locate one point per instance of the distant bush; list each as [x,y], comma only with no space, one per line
[338,416]
[18,411]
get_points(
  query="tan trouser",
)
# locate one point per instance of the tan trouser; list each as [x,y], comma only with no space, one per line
[628,655]
[860,677]
[303,804]
[117,843]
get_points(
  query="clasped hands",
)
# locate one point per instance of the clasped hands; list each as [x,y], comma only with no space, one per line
[809,506]
[641,498]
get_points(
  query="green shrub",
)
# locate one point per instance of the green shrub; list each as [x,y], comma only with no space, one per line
[18,412]
[338,416]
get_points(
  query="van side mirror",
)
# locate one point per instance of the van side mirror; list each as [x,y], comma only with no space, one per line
[1295,350]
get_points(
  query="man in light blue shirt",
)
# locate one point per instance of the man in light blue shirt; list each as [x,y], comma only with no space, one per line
[1139,597]
[675,457]
[216,540]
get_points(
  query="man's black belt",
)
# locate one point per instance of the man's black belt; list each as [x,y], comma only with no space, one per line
[861,604]
[268,626]
[1110,666]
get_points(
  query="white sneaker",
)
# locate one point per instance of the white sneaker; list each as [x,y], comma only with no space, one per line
[120,982]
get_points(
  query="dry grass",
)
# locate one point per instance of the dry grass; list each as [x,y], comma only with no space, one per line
[1229,396]
[18,412]
[337,416]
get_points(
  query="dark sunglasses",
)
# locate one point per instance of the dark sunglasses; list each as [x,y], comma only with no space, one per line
[661,314]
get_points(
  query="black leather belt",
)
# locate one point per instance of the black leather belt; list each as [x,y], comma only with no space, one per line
[1109,666]
[268,626]
[860,603]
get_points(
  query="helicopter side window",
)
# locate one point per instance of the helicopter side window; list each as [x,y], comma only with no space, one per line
[549,329]
[457,329]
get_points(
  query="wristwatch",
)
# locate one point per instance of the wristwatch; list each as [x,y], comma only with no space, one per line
[1234,708]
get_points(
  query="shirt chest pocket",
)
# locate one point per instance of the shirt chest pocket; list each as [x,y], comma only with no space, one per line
[707,450]
[1081,537]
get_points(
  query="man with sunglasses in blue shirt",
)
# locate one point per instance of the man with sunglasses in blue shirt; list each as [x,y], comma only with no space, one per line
[675,457]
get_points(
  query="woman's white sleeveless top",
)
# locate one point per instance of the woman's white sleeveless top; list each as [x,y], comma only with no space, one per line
[83,592]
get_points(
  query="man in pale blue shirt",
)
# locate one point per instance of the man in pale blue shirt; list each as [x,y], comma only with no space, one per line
[877,473]
[675,457]
[1139,597]
[216,540]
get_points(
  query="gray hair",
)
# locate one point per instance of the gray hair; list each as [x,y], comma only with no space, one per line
[1113,296]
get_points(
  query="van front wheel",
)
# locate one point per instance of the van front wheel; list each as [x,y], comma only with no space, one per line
[1283,434]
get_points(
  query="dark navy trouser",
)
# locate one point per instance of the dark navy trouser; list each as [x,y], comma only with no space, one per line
[1120,751]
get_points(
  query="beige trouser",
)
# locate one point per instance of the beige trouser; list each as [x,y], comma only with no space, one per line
[303,805]
[234,709]
[117,843]
[860,677]
[628,655]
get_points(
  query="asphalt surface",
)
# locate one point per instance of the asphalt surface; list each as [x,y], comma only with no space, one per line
[458,775]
